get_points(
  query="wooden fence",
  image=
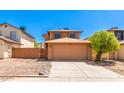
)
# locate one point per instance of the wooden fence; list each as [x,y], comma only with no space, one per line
[29,53]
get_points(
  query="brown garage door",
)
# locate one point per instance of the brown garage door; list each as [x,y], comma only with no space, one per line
[69,51]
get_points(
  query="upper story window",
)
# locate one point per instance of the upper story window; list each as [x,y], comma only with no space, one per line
[57,35]
[72,35]
[119,35]
[13,35]
[0,33]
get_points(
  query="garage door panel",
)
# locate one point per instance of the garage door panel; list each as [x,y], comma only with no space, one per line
[69,52]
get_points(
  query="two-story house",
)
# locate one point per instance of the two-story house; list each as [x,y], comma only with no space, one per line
[66,45]
[119,33]
[11,36]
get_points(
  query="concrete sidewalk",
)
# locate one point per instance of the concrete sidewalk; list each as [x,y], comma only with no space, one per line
[76,72]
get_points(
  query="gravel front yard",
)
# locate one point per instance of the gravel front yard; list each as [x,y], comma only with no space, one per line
[23,67]
[118,68]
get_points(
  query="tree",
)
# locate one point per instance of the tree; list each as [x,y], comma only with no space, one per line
[103,42]
[35,43]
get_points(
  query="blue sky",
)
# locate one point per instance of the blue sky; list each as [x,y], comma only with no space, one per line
[39,22]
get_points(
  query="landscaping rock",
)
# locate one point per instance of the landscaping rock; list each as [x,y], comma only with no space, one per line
[102,62]
[40,73]
[109,62]
[24,67]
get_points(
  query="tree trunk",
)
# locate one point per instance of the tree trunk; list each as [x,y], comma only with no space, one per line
[98,56]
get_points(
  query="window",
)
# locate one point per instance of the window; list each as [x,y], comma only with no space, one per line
[72,35]
[13,35]
[0,33]
[57,35]
[119,35]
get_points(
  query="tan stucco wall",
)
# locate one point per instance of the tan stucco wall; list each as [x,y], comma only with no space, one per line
[104,56]
[6,48]
[26,41]
[27,53]
[51,36]
[112,55]
[1,49]
[46,37]
[89,50]
[68,52]
[120,53]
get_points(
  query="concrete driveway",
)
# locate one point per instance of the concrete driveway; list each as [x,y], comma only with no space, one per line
[76,72]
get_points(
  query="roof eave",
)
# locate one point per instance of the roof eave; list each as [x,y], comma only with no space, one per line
[64,31]
[67,42]
[11,42]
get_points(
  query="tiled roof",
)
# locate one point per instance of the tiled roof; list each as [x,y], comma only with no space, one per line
[67,40]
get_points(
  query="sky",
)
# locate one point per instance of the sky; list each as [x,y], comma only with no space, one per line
[38,22]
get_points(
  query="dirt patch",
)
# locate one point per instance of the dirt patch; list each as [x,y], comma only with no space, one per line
[24,67]
[118,67]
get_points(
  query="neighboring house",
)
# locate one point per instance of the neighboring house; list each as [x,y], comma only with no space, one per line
[118,55]
[66,45]
[119,33]
[40,45]
[11,37]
